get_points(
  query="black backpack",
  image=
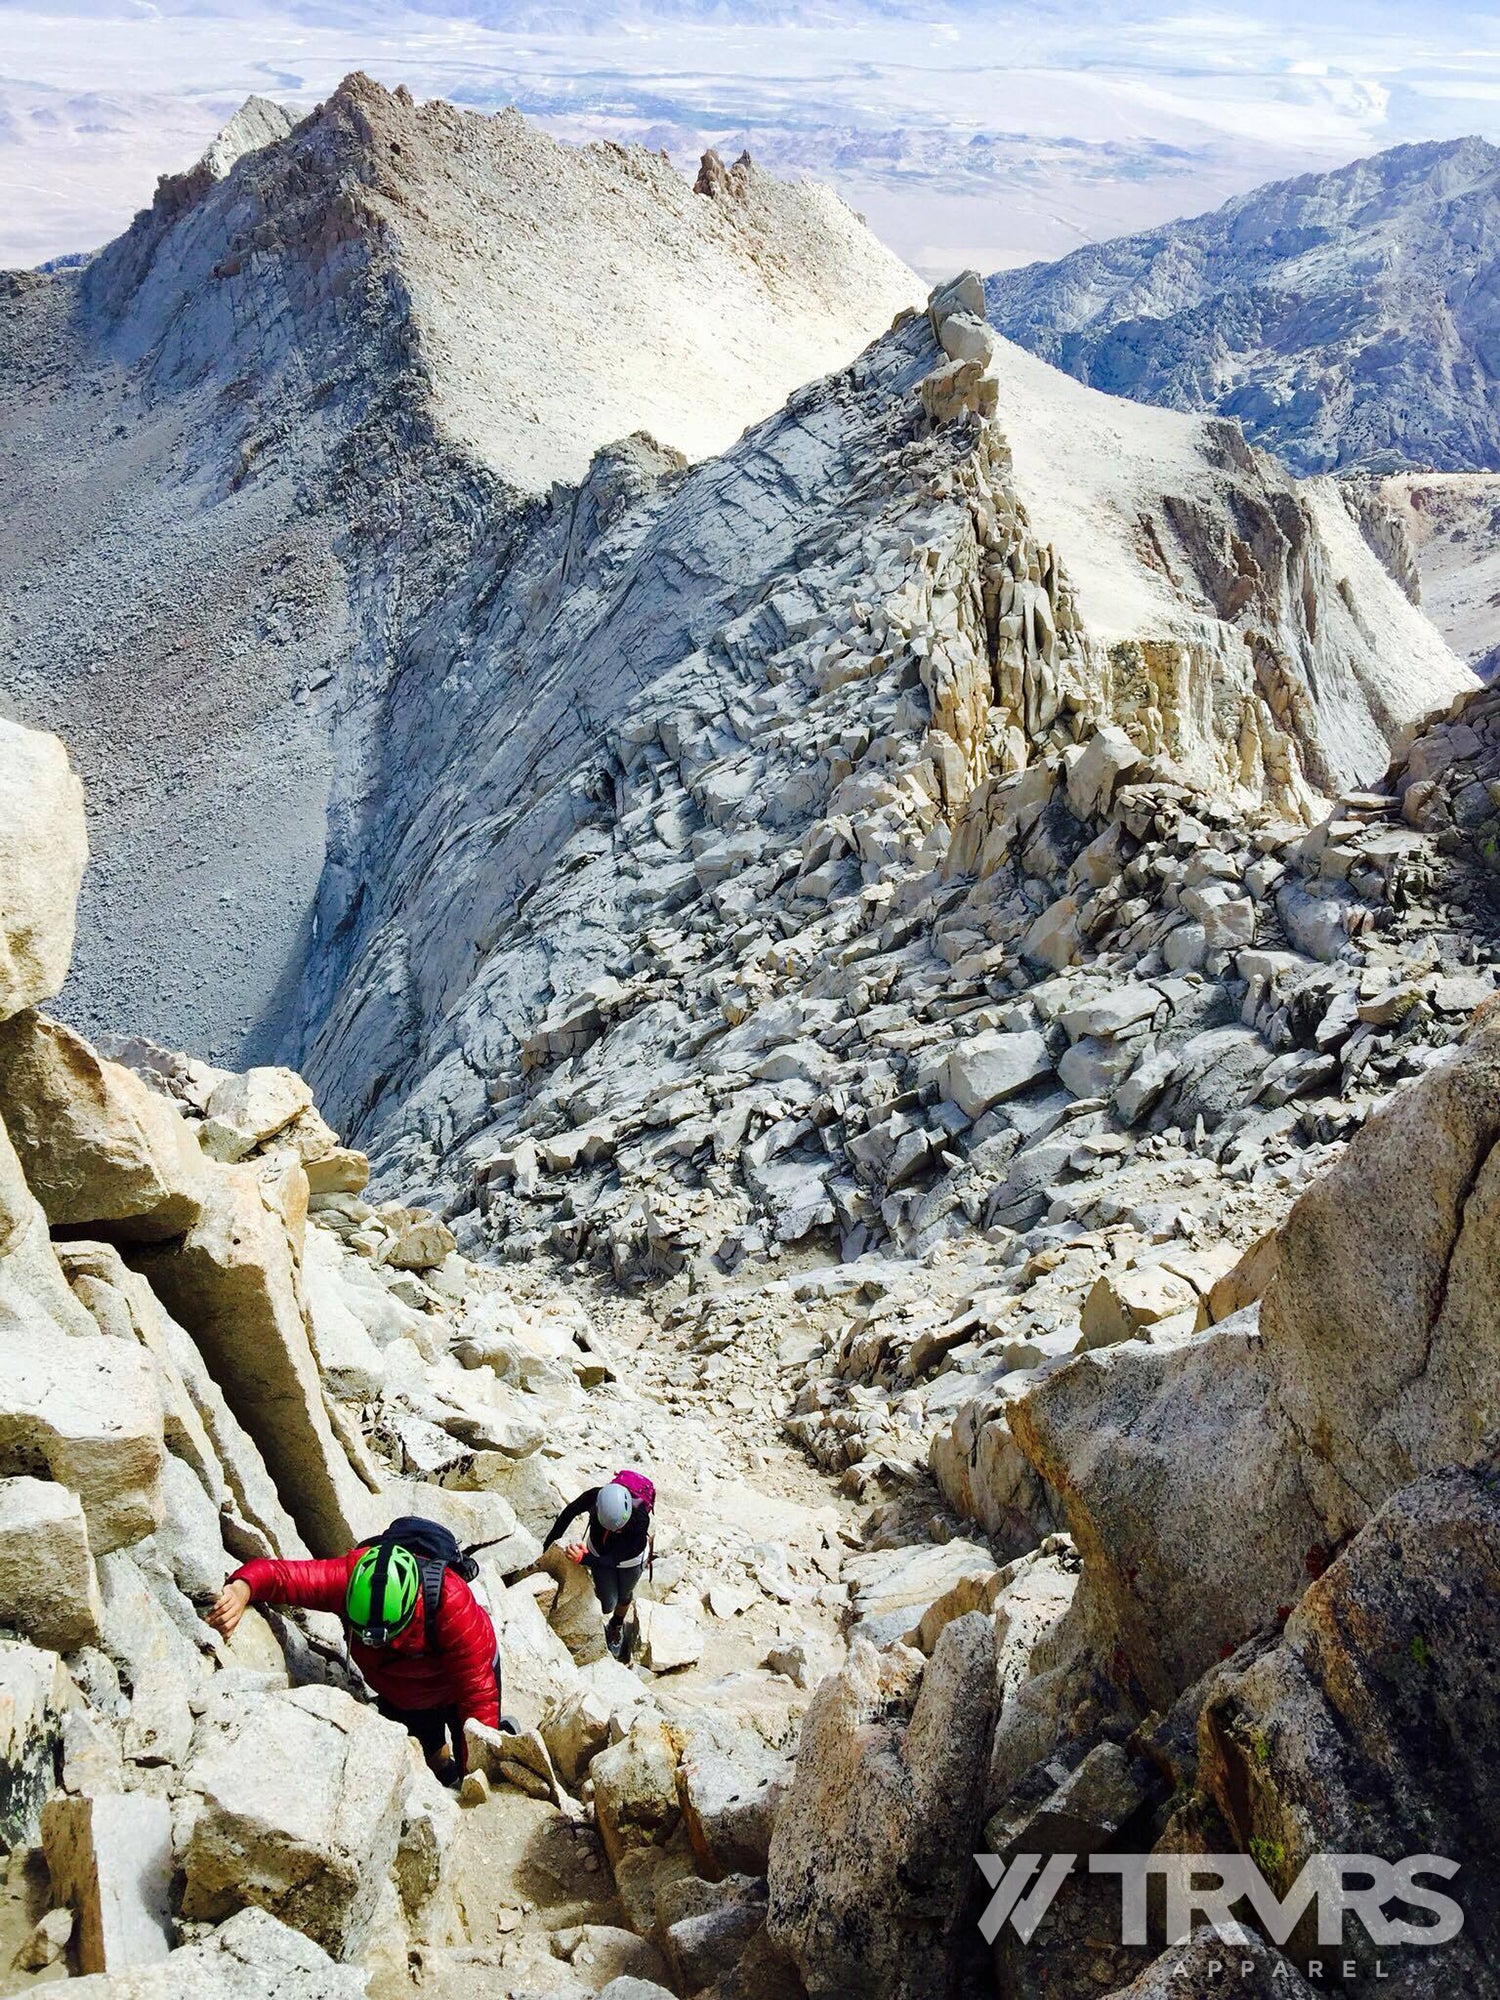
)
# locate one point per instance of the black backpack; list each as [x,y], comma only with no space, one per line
[436,1550]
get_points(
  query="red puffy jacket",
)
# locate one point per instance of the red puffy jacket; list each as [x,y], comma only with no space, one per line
[458,1673]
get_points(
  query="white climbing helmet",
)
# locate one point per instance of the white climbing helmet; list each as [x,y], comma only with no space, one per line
[614,1506]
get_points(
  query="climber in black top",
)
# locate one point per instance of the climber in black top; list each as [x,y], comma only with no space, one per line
[617,1544]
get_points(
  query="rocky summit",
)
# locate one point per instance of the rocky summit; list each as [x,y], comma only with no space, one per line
[260,459]
[922,972]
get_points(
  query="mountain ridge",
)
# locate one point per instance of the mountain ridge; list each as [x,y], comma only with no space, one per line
[588,830]
[1349,320]
[238,491]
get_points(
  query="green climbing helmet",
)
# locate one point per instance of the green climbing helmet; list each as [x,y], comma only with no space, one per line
[384,1586]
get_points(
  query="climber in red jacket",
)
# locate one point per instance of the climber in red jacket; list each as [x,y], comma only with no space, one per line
[432,1684]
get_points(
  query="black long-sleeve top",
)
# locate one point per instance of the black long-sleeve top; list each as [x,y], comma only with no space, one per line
[625,1545]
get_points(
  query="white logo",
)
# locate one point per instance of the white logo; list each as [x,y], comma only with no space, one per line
[1358,1885]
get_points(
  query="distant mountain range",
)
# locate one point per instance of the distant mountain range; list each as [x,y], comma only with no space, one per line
[1349,320]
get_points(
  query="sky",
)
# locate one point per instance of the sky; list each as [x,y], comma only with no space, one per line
[968,134]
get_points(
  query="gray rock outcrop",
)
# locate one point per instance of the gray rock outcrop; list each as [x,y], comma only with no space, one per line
[109,1858]
[252,1957]
[870,1861]
[232,1282]
[1367,1363]
[296,1808]
[97,1146]
[1372,1717]
[43,849]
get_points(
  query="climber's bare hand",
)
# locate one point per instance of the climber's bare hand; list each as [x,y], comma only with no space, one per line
[229,1608]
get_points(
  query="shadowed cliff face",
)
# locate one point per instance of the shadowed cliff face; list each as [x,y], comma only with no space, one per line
[296,406]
